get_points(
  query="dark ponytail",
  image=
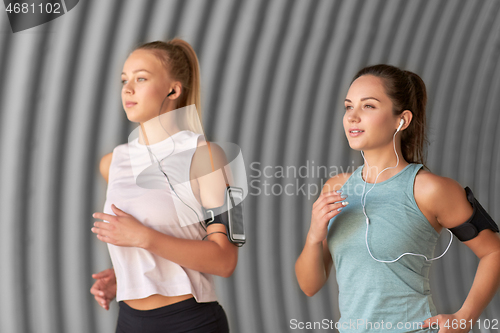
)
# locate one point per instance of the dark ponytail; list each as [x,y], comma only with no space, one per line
[407,92]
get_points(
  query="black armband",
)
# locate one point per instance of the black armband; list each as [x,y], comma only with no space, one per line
[216,215]
[479,220]
[230,214]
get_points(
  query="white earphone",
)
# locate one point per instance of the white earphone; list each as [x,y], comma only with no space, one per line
[363,202]
[401,123]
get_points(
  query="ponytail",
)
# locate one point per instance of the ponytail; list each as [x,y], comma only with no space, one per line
[407,92]
[181,63]
[415,139]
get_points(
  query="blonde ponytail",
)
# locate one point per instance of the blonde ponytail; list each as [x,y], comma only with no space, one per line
[182,64]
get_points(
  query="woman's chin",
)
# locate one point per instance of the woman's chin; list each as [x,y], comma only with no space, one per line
[133,118]
[355,146]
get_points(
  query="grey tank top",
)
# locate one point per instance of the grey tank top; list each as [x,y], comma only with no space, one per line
[374,295]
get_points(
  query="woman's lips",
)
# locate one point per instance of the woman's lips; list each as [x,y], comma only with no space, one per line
[355,132]
[130,104]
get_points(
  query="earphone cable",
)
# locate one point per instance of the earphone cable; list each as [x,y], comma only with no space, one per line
[363,203]
[161,170]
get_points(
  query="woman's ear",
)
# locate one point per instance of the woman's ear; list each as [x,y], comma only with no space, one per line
[177,88]
[407,116]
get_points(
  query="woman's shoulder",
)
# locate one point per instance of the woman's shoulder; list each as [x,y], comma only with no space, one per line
[432,185]
[336,182]
[207,155]
[105,164]
[206,148]
[441,196]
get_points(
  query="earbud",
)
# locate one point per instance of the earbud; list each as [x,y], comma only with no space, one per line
[401,123]
[172,92]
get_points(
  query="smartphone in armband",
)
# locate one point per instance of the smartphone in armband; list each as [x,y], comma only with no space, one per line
[236,230]
[230,214]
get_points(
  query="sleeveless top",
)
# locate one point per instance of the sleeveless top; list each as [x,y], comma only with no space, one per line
[140,273]
[374,295]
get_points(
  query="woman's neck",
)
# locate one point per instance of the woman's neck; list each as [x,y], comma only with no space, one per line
[377,160]
[158,128]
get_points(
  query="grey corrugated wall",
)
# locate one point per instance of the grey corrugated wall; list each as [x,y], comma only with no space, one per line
[274,74]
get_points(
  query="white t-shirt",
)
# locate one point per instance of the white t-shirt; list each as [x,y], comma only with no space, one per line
[136,186]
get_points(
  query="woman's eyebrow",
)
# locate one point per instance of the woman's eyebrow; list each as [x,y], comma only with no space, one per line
[139,70]
[365,98]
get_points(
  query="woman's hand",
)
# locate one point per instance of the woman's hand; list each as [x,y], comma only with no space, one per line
[122,229]
[454,323]
[104,289]
[328,205]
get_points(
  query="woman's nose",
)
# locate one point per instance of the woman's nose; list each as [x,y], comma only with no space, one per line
[128,88]
[353,115]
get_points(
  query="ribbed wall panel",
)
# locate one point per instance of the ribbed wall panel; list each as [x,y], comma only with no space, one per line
[274,75]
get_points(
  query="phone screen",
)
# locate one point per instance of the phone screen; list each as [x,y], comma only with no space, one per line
[236,213]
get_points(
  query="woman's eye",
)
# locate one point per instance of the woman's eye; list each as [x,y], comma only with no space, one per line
[369,106]
[138,79]
[348,107]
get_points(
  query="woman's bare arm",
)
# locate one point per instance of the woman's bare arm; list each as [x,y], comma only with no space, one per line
[314,264]
[446,200]
[213,256]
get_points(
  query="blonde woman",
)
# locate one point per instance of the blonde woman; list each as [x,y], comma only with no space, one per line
[163,266]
